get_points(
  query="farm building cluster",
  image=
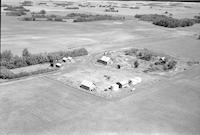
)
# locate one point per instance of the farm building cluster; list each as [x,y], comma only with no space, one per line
[114,73]
[140,60]
[58,63]
[88,85]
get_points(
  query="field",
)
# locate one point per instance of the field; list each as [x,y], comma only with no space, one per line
[48,105]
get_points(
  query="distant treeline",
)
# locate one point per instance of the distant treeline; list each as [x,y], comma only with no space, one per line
[167,21]
[10,61]
[81,17]
[76,17]
[162,0]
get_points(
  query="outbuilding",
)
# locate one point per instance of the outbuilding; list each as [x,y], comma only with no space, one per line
[105,60]
[135,80]
[65,59]
[115,87]
[58,64]
[87,85]
[68,20]
[123,84]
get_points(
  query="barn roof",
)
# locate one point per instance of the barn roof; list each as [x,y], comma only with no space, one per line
[88,84]
[105,58]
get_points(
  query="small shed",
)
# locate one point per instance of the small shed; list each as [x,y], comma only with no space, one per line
[68,20]
[115,87]
[58,64]
[65,59]
[123,84]
[87,85]
[105,60]
[138,79]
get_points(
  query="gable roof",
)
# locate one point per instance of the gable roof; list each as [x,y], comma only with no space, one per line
[105,58]
[88,83]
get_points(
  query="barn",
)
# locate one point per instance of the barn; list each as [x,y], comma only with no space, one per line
[87,85]
[105,60]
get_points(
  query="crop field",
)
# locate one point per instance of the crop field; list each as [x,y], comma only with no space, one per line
[54,104]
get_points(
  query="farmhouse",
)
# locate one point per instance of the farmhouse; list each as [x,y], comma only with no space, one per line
[115,87]
[87,85]
[105,60]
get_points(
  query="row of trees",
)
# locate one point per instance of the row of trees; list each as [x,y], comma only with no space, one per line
[166,21]
[81,17]
[10,61]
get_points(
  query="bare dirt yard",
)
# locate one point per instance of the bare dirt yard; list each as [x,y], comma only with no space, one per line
[49,105]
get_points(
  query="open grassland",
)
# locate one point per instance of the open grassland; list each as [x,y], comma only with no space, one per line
[44,106]
[49,36]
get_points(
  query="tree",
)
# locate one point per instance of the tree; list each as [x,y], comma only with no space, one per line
[6,74]
[136,64]
[42,12]
[6,55]
[25,53]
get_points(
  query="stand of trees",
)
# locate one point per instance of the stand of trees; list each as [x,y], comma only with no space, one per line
[148,55]
[166,21]
[80,17]
[10,61]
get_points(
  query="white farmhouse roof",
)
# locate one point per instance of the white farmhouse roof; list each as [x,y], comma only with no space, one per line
[115,87]
[70,58]
[58,64]
[105,58]
[64,58]
[88,84]
[138,79]
[133,81]
[124,82]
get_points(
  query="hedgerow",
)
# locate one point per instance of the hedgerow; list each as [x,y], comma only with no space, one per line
[7,74]
[10,61]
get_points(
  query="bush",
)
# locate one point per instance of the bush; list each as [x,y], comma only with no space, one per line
[6,55]
[136,64]
[42,12]
[171,64]
[6,73]
[143,54]
[131,52]
[15,13]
